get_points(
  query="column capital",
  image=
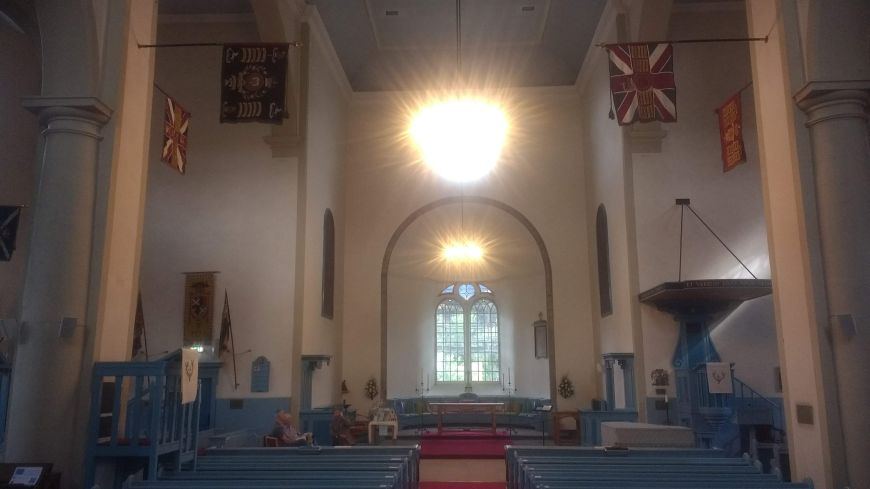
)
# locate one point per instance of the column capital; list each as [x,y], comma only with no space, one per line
[90,109]
[825,100]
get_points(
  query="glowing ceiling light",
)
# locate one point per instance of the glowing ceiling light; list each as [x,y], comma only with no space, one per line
[466,251]
[460,138]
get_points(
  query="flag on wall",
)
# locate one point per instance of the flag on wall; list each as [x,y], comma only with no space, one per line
[175,127]
[9,216]
[731,132]
[253,77]
[226,343]
[140,343]
[642,82]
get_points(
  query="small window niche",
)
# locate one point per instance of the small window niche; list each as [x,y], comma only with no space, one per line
[540,327]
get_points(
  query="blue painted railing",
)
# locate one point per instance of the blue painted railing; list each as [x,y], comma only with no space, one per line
[136,411]
[711,414]
[5,383]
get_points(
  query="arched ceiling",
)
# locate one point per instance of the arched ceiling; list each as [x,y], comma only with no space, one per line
[509,250]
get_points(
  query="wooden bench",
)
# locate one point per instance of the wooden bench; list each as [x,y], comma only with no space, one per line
[583,468]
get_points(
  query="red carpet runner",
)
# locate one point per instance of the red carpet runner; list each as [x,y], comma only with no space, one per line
[464,444]
[461,485]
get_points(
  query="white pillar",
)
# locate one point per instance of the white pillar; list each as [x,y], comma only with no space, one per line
[47,376]
[837,120]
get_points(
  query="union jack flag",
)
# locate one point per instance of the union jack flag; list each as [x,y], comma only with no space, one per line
[175,135]
[642,82]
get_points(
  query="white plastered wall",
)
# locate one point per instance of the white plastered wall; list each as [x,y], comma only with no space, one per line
[19,76]
[411,338]
[328,94]
[690,166]
[540,175]
[232,212]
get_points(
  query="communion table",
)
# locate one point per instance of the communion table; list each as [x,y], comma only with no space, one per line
[442,408]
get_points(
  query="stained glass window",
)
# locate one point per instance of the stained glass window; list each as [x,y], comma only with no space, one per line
[466,291]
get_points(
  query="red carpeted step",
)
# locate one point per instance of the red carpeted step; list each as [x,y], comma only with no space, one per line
[463,445]
[462,485]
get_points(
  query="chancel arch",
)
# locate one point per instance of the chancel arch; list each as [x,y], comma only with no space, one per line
[470,212]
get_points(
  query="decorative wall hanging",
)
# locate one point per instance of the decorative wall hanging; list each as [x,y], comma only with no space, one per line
[253,82]
[198,307]
[566,387]
[260,369]
[371,388]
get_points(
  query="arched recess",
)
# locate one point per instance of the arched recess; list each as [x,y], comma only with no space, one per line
[545,258]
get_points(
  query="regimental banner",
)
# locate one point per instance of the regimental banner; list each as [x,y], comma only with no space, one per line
[642,82]
[719,378]
[9,217]
[175,125]
[198,307]
[140,342]
[253,78]
[189,375]
[731,133]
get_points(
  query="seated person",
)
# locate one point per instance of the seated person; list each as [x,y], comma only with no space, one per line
[286,433]
[339,428]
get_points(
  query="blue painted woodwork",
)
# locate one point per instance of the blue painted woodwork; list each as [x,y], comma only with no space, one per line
[260,374]
[250,413]
[316,422]
[590,422]
[557,468]
[5,383]
[310,363]
[155,424]
[296,468]
[625,361]
[413,412]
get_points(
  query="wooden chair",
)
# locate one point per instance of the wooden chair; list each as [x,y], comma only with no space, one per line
[270,441]
[566,436]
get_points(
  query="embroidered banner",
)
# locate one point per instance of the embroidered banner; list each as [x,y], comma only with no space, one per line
[189,375]
[731,133]
[140,342]
[253,78]
[719,378]
[198,307]
[642,82]
[175,125]
[9,216]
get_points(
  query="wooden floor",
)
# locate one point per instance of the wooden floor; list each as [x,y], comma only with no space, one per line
[478,470]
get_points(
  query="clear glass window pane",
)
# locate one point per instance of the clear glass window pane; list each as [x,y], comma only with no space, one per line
[484,348]
[449,342]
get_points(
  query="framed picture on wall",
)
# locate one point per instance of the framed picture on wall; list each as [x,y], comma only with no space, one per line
[540,337]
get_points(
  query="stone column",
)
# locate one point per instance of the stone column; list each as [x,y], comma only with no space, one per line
[837,120]
[48,364]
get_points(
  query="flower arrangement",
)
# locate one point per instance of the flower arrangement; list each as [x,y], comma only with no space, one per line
[566,387]
[371,388]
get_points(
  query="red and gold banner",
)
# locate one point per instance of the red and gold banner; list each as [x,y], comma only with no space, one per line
[198,307]
[731,133]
